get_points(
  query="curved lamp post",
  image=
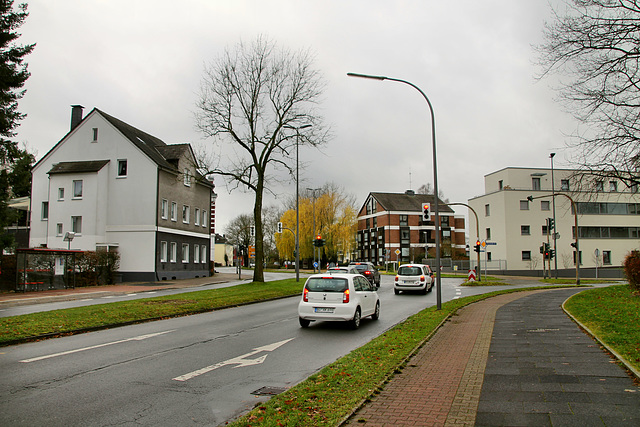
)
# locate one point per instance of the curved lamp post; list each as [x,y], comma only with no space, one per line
[297,129]
[435,173]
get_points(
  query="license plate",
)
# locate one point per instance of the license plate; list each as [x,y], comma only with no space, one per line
[410,282]
[324,309]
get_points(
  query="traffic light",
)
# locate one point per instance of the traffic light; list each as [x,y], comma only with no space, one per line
[550,224]
[426,214]
[476,248]
[252,231]
[552,253]
[279,228]
[318,241]
[547,251]
[573,245]
[542,249]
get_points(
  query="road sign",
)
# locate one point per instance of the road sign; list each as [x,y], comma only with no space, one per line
[491,243]
[472,276]
[315,264]
[397,251]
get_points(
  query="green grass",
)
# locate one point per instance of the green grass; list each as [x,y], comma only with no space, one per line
[572,281]
[612,313]
[28,326]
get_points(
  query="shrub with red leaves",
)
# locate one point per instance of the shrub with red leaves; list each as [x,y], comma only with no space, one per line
[631,266]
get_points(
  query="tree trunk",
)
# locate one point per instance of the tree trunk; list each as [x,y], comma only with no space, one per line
[258,271]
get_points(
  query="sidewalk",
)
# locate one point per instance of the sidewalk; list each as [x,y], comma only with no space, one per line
[12,299]
[515,359]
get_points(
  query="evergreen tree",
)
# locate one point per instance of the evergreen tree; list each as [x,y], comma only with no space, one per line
[13,75]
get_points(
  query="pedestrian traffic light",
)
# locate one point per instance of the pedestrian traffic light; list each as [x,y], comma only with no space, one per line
[476,248]
[552,253]
[426,214]
[279,227]
[252,231]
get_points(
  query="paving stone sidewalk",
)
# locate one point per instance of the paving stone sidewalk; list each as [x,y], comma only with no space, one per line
[493,364]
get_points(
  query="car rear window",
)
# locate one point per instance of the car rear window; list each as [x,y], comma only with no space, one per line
[361,267]
[409,271]
[327,284]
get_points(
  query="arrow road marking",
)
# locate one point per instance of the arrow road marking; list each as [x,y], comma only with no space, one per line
[240,361]
[64,353]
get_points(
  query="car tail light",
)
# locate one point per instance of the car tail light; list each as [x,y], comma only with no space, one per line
[367,273]
[345,296]
[397,277]
[422,278]
[305,295]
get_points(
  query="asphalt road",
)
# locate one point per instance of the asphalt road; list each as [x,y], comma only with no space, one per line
[196,370]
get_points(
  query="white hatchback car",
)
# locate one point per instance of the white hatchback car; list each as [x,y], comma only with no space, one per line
[413,277]
[338,297]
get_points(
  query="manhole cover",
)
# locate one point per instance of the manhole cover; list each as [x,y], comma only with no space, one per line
[268,391]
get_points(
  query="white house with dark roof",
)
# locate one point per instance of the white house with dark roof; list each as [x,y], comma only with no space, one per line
[118,188]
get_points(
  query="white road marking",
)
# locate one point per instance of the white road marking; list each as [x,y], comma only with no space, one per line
[64,353]
[241,361]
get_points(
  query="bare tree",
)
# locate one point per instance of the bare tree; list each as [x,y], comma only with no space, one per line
[595,46]
[247,98]
[428,189]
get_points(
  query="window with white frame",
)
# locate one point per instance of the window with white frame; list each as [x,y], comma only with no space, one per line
[174,252]
[185,214]
[203,254]
[196,217]
[606,257]
[61,193]
[77,189]
[613,186]
[187,177]
[174,211]
[525,230]
[45,211]
[122,168]
[196,253]
[165,209]
[185,252]
[564,184]
[76,224]
[526,255]
[163,251]
[59,229]
[204,218]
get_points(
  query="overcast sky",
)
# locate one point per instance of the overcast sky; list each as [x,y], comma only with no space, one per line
[142,61]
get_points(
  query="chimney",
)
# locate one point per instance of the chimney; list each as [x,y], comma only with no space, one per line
[76,115]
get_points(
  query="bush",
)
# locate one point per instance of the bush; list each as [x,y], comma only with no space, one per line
[97,268]
[631,266]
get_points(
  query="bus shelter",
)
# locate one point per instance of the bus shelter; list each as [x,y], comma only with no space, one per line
[39,269]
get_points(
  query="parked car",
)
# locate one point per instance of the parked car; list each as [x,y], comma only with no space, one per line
[346,270]
[413,277]
[338,297]
[369,271]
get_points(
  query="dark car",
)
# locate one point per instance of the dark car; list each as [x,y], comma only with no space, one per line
[369,271]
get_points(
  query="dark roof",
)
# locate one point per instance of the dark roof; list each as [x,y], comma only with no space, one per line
[77,167]
[173,151]
[407,202]
[149,144]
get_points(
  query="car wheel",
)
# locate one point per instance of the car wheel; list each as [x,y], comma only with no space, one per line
[304,322]
[397,292]
[425,290]
[430,287]
[355,322]
[376,313]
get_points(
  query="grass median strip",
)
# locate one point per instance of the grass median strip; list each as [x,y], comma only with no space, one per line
[29,326]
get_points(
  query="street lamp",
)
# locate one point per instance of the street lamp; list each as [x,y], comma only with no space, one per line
[297,129]
[553,191]
[477,234]
[435,173]
[575,244]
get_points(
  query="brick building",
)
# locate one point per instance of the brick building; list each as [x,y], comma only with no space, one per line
[390,229]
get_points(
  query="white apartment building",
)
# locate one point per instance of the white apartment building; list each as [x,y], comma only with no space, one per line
[608,215]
